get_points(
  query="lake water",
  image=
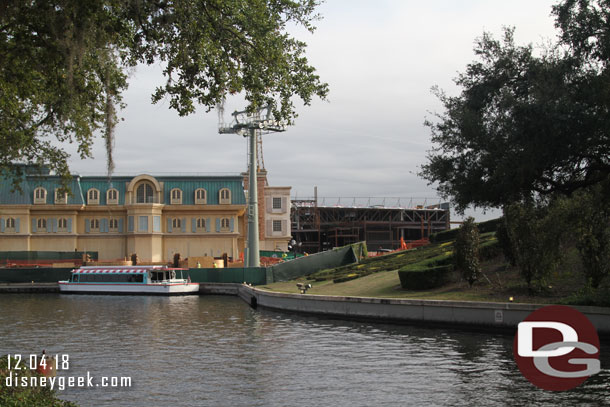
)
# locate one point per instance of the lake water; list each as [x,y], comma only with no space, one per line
[217,351]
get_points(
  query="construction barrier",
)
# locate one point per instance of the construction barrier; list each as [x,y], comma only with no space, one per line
[303,266]
[36,275]
[250,275]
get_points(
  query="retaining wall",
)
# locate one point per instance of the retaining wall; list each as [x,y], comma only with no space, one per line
[37,275]
[218,288]
[497,316]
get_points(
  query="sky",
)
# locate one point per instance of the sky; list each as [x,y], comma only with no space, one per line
[380,58]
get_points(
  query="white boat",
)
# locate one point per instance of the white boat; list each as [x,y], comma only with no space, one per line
[150,280]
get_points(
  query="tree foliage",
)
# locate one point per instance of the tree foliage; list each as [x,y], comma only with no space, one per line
[589,211]
[467,251]
[536,240]
[528,124]
[64,65]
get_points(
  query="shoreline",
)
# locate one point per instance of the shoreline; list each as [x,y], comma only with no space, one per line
[497,317]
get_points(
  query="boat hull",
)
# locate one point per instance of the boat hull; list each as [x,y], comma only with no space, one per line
[144,289]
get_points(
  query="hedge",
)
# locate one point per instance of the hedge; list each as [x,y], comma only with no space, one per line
[490,250]
[447,235]
[425,277]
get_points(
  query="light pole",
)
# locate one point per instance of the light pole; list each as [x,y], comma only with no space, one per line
[247,124]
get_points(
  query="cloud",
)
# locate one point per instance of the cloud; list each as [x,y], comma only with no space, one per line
[380,59]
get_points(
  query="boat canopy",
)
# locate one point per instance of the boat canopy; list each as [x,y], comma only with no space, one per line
[116,270]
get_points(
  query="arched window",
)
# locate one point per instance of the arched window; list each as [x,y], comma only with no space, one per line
[224,196]
[62,225]
[176,223]
[224,224]
[145,193]
[40,195]
[113,225]
[112,196]
[93,197]
[94,225]
[41,225]
[10,225]
[176,196]
[200,196]
[200,224]
[61,197]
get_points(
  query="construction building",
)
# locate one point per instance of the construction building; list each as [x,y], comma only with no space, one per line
[318,225]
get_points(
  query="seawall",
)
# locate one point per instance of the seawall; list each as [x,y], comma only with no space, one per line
[485,315]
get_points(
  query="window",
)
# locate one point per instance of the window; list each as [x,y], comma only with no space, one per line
[94,225]
[277,225]
[112,197]
[40,195]
[142,223]
[176,223]
[224,196]
[200,197]
[61,197]
[10,225]
[200,224]
[113,225]
[144,193]
[62,225]
[224,224]
[277,203]
[41,225]
[93,197]
[176,196]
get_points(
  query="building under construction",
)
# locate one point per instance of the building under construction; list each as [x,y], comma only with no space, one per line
[324,223]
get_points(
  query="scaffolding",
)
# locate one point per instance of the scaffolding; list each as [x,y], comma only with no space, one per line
[319,226]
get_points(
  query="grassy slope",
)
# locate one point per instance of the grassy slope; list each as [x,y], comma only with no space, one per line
[380,279]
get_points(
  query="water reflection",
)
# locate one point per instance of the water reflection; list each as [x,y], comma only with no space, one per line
[188,351]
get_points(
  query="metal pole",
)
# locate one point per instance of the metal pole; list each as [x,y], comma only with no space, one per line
[253,246]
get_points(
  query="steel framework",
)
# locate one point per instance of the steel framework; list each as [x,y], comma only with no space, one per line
[316,228]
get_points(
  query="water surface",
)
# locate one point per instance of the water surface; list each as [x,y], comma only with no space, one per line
[217,351]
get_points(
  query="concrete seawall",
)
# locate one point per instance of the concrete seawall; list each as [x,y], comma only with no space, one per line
[29,288]
[488,315]
[219,288]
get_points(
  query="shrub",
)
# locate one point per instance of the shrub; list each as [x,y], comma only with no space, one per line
[26,396]
[422,278]
[535,240]
[444,236]
[467,251]
[491,225]
[346,278]
[490,250]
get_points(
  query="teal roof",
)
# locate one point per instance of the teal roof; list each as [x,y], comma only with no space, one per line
[102,184]
[212,185]
[79,187]
[10,197]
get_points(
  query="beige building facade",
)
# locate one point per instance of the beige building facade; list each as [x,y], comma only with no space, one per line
[273,214]
[151,216]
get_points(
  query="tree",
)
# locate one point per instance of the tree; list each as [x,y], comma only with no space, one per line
[528,126]
[467,251]
[590,211]
[536,238]
[64,65]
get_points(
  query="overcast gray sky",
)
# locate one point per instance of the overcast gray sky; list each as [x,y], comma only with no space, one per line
[380,59]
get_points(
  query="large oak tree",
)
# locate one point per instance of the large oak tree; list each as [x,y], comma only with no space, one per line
[65,63]
[528,123]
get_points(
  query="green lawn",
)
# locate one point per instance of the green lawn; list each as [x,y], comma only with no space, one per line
[498,284]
